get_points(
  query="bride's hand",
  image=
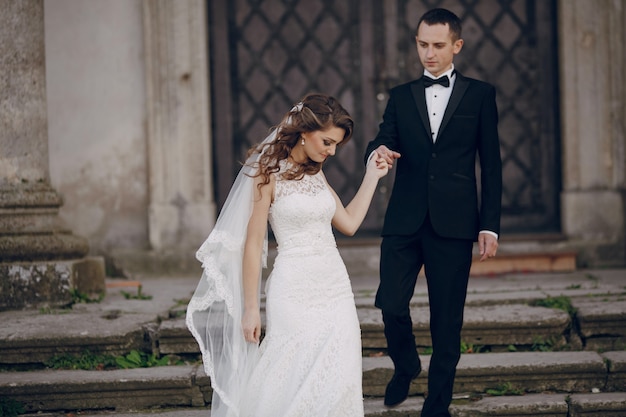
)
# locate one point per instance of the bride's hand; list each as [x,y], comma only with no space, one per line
[251,324]
[377,165]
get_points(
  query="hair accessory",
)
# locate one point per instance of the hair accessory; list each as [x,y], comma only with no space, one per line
[297,108]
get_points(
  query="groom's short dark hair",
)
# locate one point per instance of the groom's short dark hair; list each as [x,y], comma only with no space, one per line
[442,17]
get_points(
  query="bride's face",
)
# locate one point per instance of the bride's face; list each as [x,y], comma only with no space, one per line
[319,144]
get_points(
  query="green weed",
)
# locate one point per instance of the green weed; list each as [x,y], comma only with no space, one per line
[504,389]
[561,303]
[10,408]
[136,359]
[80,297]
[181,301]
[471,348]
[138,296]
[89,361]
[85,361]
[542,345]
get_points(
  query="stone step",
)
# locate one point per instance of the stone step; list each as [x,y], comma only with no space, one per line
[362,256]
[143,388]
[530,372]
[497,327]
[34,338]
[497,314]
[533,405]
[28,337]
[188,386]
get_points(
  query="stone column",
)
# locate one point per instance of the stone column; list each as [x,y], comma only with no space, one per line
[40,260]
[182,207]
[592,36]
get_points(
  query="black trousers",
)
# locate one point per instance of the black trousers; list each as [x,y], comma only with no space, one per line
[446,264]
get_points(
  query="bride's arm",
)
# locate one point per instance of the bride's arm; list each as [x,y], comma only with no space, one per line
[348,219]
[253,248]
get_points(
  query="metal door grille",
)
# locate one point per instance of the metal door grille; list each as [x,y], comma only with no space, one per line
[266,54]
[278,51]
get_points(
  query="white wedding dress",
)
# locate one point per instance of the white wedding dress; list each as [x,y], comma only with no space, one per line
[310,359]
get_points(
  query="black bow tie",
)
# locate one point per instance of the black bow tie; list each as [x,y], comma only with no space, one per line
[445,81]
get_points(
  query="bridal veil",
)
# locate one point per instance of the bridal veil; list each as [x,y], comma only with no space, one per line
[214,312]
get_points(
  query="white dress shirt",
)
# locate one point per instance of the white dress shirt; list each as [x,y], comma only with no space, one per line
[437,97]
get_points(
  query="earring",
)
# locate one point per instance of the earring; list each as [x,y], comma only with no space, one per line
[302,141]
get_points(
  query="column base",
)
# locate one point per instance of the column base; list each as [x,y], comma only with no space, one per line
[26,285]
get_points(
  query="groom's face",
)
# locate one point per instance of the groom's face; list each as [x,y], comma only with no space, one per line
[436,48]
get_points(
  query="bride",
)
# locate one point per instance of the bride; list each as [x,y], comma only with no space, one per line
[309,362]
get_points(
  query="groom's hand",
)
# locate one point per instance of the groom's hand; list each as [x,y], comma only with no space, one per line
[487,245]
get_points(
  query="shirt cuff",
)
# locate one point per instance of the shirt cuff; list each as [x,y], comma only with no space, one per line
[489,232]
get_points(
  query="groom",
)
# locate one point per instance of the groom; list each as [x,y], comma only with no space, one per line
[435,126]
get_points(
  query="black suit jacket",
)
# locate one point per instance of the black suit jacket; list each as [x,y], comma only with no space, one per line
[440,178]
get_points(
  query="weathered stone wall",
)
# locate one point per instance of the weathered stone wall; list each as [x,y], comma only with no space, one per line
[592,36]
[97,119]
[129,126]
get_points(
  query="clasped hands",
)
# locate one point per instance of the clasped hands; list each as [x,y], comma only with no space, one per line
[378,164]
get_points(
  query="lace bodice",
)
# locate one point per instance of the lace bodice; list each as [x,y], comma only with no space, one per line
[302,212]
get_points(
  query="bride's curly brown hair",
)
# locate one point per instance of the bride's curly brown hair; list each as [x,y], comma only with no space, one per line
[314,112]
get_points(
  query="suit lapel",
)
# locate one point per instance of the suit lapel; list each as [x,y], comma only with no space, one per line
[460,86]
[417,89]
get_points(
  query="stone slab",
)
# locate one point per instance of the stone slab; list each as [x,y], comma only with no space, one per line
[175,338]
[525,371]
[543,405]
[499,325]
[598,405]
[616,363]
[119,389]
[175,412]
[531,371]
[28,338]
[116,325]
[377,371]
[203,382]
[534,405]
[602,324]
[412,407]
[503,325]
[33,285]
[529,262]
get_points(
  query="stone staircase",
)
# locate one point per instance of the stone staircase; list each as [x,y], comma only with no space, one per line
[527,359]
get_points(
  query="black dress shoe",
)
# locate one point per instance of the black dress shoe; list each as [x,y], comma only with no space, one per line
[398,388]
